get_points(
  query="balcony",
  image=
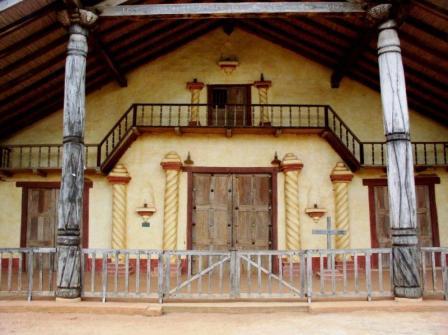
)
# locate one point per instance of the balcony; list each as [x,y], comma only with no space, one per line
[275,119]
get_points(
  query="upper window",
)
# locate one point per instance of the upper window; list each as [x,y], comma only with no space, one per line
[229,105]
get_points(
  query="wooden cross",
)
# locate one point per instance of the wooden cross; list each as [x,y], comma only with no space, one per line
[329,232]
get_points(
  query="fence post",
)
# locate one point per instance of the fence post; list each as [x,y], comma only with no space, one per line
[326,117]
[30,274]
[368,276]
[134,115]
[160,282]
[233,274]
[309,275]
[443,255]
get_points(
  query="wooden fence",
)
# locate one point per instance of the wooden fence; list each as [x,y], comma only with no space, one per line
[156,275]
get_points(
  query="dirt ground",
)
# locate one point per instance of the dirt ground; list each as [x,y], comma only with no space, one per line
[357,323]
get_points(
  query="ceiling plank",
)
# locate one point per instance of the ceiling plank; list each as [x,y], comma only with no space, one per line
[232,10]
[5,4]
[25,20]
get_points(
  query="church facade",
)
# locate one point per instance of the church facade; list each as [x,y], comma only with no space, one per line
[227,155]
[230,165]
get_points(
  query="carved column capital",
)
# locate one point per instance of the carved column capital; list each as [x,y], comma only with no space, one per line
[171,161]
[81,17]
[262,84]
[378,13]
[290,162]
[341,174]
[195,85]
[119,175]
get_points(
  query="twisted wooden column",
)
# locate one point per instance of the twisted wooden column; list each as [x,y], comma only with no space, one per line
[400,164]
[172,164]
[263,86]
[291,167]
[70,211]
[195,88]
[119,178]
[341,178]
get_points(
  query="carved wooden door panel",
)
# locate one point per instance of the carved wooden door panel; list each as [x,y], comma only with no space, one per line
[211,222]
[252,212]
[231,211]
[42,217]
[424,227]
[424,224]
[42,222]
[382,225]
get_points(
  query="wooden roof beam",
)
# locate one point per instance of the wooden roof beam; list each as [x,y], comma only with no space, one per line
[350,58]
[111,64]
[232,10]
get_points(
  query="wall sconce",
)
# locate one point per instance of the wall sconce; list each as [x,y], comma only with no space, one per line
[315,213]
[146,212]
[228,64]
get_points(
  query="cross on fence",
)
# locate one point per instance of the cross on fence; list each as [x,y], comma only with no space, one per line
[329,232]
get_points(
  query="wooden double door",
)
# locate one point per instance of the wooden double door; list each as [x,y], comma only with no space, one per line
[231,211]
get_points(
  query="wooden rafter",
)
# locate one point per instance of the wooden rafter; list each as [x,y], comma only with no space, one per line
[233,10]
[111,64]
[350,58]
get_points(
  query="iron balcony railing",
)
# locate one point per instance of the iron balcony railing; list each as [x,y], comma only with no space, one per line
[159,275]
[283,117]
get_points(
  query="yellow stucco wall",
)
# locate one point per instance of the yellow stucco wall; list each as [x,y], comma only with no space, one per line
[295,80]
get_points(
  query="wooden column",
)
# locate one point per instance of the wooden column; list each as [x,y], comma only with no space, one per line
[72,180]
[400,165]
[291,167]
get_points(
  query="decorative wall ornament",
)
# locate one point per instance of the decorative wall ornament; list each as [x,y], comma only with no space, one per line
[291,167]
[315,212]
[172,165]
[188,161]
[146,211]
[228,64]
[195,88]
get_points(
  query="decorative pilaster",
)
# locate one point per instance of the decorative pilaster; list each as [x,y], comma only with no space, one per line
[400,174]
[72,180]
[172,165]
[119,178]
[195,88]
[341,177]
[262,87]
[291,167]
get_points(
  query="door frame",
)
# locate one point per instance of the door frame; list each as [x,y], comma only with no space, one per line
[53,185]
[210,88]
[231,170]
[429,180]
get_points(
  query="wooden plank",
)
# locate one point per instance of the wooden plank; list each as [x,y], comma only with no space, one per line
[233,10]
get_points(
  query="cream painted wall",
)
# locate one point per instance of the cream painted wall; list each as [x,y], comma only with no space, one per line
[295,80]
